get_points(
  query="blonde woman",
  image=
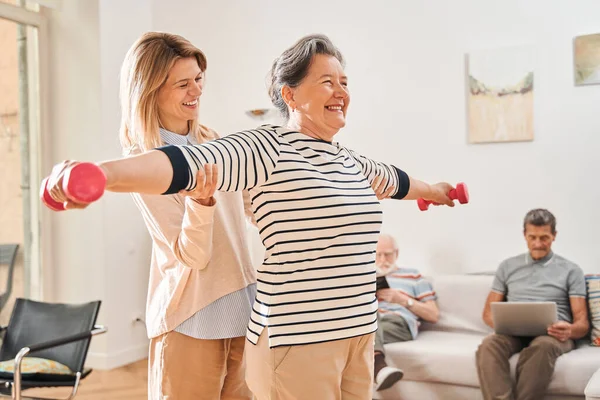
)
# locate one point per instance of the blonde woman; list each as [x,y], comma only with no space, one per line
[202,283]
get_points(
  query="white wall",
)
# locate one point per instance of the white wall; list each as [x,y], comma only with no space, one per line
[405,61]
[406,67]
[74,271]
[127,241]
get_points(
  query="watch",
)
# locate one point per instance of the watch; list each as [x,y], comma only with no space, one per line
[410,303]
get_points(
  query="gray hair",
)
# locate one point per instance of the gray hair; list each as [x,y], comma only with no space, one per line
[540,217]
[291,67]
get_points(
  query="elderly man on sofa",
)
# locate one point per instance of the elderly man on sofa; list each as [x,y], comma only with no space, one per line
[405,299]
[539,275]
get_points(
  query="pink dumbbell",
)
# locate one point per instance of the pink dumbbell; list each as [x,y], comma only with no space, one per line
[461,193]
[84,183]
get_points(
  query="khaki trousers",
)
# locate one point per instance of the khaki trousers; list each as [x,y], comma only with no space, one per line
[181,368]
[534,369]
[336,370]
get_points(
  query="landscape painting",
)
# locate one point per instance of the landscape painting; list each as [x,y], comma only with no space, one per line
[500,95]
[586,51]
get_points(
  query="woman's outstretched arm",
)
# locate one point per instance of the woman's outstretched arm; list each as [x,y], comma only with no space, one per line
[398,184]
[243,161]
[149,173]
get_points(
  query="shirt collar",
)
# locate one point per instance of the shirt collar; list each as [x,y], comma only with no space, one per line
[293,135]
[544,260]
[175,139]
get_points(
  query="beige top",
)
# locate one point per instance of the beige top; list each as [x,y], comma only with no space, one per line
[199,254]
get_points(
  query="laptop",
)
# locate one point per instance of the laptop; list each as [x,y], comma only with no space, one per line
[517,318]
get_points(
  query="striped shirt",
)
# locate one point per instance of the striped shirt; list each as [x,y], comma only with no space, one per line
[318,219]
[410,282]
[224,318]
[227,317]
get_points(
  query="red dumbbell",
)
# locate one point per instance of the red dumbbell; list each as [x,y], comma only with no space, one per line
[84,183]
[461,193]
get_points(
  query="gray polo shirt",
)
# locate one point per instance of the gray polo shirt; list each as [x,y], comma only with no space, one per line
[552,278]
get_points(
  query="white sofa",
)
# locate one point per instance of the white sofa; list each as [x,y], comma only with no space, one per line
[440,363]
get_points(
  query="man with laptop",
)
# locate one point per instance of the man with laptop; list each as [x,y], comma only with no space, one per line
[537,306]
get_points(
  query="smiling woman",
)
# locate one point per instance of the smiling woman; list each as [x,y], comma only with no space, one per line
[169,98]
[199,302]
[311,330]
[319,105]
[179,96]
[313,94]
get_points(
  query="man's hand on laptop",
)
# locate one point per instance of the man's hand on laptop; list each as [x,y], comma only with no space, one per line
[392,296]
[561,330]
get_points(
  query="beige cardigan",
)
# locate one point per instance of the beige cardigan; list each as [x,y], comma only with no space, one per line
[199,254]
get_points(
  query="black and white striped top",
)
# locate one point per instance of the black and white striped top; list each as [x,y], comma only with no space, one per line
[319,221]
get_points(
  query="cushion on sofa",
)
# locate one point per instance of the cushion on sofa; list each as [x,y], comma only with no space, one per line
[449,357]
[446,357]
[592,390]
[593,293]
[461,299]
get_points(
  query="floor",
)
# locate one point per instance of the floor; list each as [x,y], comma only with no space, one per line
[125,383]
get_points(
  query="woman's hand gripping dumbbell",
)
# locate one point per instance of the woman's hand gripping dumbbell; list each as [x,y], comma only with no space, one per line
[82,183]
[461,193]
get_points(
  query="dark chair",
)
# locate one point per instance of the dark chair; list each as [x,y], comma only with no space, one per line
[57,332]
[8,257]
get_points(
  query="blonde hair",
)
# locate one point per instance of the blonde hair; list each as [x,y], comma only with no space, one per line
[144,71]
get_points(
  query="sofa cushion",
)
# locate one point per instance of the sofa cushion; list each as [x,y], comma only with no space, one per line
[449,357]
[593,292]
[592,390]
[446,357]
[461,299]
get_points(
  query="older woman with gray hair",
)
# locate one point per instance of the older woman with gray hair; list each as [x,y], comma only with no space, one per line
[315,313]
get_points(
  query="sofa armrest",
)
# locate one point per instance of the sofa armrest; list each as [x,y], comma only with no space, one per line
[592,390]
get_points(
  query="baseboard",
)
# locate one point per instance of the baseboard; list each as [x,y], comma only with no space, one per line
[109,361]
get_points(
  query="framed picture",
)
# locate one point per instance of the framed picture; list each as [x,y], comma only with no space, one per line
[500,94]
[586,53]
